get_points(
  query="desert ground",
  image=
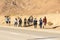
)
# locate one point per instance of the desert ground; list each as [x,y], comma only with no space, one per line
[53,18]
[25,8]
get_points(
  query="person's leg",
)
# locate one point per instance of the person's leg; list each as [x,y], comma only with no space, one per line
[43,26]
[28,23]
[40,26]
[35,26]
[20,24]
[25,24]
[15,24]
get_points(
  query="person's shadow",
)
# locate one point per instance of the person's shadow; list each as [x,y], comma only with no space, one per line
[53,27]
[56,27]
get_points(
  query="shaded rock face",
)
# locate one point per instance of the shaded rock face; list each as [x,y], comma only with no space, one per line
[29,7]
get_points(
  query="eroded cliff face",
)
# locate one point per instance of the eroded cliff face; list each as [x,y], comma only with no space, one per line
[29,7]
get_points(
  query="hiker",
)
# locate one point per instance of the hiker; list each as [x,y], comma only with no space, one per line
[40,23]
[25,22]
[30,20]
[16,22]
[44,21]
[20,22]
[35,23]
[7,19]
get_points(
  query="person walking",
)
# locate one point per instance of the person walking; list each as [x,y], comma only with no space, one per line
[40,23]
[44,21]
[35,23]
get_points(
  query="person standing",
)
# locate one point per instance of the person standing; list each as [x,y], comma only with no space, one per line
[35,23]
[16,22]
[28,22]
[44,21]
[20,22]
[7,19]
[31,20]
[40,23]
[25,22]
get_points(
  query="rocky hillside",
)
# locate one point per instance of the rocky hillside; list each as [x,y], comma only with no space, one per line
[29,7]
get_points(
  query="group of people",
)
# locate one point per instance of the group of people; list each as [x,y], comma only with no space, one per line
[27,22]
[42,22]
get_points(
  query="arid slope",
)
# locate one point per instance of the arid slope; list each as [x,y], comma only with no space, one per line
[29,7]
